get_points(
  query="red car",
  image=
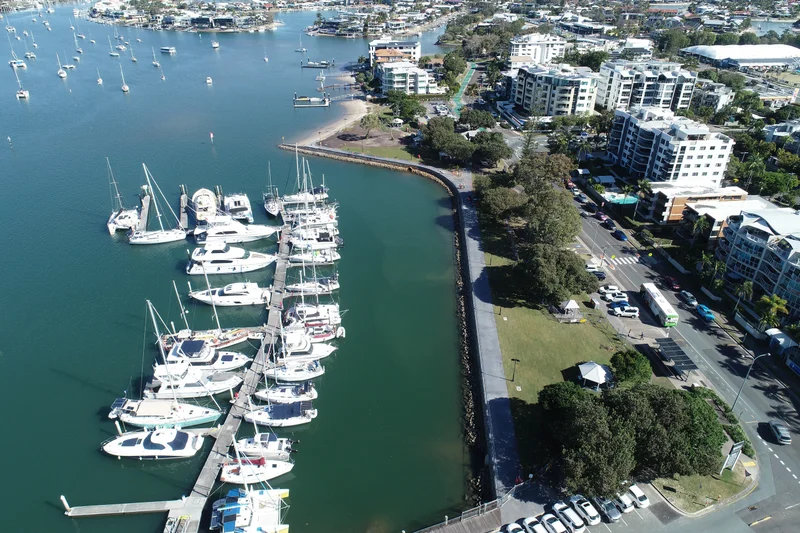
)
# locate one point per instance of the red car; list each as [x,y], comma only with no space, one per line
[672,283]
[600,216]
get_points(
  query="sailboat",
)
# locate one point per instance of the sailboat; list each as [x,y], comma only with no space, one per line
[295,372]
[124,87]
[111,52]
[21,93]
[266,59]
[301,49]
[15,62]
[155,62]
[61,72]
[153,413]
[266,445]
[121,218]
[272,204]
[133,57]
[251,511]
[249,471]
[77,48]
[288,393]
[215,45]
[161,235]
[33,41]
[99,79]
[282,415]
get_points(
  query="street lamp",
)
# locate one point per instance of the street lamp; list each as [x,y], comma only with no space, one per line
[756,358]
[514,372]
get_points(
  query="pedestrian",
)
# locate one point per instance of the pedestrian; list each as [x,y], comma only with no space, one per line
[641,335]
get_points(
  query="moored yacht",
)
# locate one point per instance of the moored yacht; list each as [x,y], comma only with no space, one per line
[238,207]
[181,380]
[317,194]
[233,294]
[322,333]
[297,347]
[319,285]
[295,372]
[152,413]
[254,471]
[120,218]
[164,443]
[319,216]
[316,257]
[313,315]
[319,238]
[283,415]
[287,394]
[160,235]
[202,355]
[220,258]
[266,445]
[250,511]
[204,203]
[223,228]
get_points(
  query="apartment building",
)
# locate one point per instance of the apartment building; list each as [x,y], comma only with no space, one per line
[407,77]
[536,48]
[412,50]
[554,91]
[628,84]
[714,95]
[655,144]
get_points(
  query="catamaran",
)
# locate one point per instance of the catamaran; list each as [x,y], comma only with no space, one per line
[238,207]
[151,413]
[201,354]
[295,372]
[121,218]
[224,229]
[77,48]
[288,393]
[313,217]
[283,415]
[318,257]
[250,511]
[161,235]
[233,294]
[266,445]
[221,258]
[166,443]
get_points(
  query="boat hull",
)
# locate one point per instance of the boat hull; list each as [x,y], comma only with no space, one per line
[251,474]
[262,419]
[196,269]
[156,237]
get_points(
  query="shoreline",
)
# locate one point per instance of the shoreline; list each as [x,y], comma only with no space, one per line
[355,109]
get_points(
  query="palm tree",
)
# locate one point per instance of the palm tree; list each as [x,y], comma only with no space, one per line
[743,290]
[755,168]
[718,267]
[584,147]
[768,308]
[706,259]
[644,190]
[699,226]
[626,189]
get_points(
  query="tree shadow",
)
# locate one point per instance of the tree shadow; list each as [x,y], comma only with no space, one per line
[534,445]
[349,137]
[509,286]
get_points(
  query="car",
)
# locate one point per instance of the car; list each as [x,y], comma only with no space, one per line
[575,191]
[569,517]
[599,274]
[590,207]
[624,503]
[480,101]
[618,234]
[607,509]
[585,509]
[780,431]
[584,214]
[615,296]
[672,283]
[639,498]
[608,288]
[552,524]
[532,525]
[513,527]
[615,305]
[705,313]
[592,268]
[608,223]
[627,311]
[582,198]
[602,217]
[688,297]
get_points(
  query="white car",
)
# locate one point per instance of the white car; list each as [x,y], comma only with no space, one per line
[553,525]
[513,527]
[585,509]
[615,297]
[569,517]
[639,498]
[532,525]
[627,312]
[608,288]
[624,503]
[592,268]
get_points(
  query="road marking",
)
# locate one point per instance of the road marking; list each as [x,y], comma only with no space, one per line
[623,521]
[782,463]
[776,456]
[637,512]
[608,528]
[759,521]
[770,449]
[793,505]
[789,469]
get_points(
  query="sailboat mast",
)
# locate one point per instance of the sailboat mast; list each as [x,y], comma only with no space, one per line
[117,195]
[213,305]
[180,305]
[158,336]
[147,177]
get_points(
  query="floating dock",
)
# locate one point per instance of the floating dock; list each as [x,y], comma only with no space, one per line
[184,210]
[145,211]
[185,514]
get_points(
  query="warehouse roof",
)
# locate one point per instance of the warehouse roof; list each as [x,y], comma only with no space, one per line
[745,51]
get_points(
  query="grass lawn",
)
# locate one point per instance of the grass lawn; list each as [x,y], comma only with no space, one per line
[693,493]
[393,152]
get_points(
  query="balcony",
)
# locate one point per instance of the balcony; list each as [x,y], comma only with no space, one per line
[724,245]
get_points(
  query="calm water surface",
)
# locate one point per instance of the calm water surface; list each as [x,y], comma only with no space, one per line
[385,452]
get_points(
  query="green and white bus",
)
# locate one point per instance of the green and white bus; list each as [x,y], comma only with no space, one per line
[659,305]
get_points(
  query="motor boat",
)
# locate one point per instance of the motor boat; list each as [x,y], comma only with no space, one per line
[234,294]
[272,205]
[266,445]
[201,354]
[225,229]
[295,372]
[254,471]
[320,333]
[152,413]
[310,315]
[238,207]
[220,258]
[322,285]
[165,443]
[282,415]
[312,239]
[204,203]
[181,380]
[298,348]
[250,511]
[287,394]
[316,257]
[290,215]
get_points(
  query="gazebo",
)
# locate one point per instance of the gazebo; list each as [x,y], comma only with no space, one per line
[568,312]
[595,373]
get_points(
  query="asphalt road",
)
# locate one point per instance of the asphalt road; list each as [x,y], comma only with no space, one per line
[724,364]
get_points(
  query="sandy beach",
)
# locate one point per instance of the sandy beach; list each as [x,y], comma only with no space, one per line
[354,110]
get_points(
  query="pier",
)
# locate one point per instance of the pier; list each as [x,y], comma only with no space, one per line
[185,514]
[184,210]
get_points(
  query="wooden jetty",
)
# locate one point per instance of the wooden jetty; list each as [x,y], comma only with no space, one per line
[185,514]
[184,210]
[145,211]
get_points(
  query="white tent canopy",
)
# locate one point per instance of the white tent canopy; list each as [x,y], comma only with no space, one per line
[595,372]
[571,305]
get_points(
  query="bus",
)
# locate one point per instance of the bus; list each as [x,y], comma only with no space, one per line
[659,305]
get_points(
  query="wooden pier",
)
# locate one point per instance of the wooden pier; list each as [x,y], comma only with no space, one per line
[184,210]
[145,211]
[185,514]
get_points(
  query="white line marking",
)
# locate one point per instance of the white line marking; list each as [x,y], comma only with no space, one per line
[782,463]
[608,528]
[623,521]
[770,449]
[776,456]
[789,469]
[637,512]
[794,476]
[793,505]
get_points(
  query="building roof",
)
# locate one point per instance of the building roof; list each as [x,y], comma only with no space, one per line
[745,51]
[783,221]
[674,190]
[389,52]
[721,210]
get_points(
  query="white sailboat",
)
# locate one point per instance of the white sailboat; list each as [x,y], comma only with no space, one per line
[238,207]
[77,48]
[61,72]
[314,286]
[272,204]
[295,372]
[224,229]
[21,93]
[266,445]
[251,511]
[133,57]
[301,49]
[221,258]
[310,315]
[155,61]
[318,257]
[161,235]
[99,79]
[282,415]
[288,393]
[233,295]
[120,218]
[182,380]
[111,52]
[167,443]
[124,87]
[253,471]
[151,413]
[33,41]
[215,45]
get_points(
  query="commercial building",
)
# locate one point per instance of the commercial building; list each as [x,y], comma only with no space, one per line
[757,56]
[627,84]
[713,95]
[655,144]
[764,247]
[406,77]
[718,211]
[412,50]
[536,48]
[548,91]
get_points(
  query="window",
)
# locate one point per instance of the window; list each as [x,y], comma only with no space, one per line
[720,156]
[705,173]
[692,148]
[694,173]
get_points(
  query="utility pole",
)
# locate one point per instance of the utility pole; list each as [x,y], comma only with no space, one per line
[756,358]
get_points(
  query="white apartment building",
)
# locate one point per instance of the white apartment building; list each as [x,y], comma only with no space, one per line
[654,144]
[411,49]
[407,77]
[628,84]
[714,95]
[537,48]
[554,91]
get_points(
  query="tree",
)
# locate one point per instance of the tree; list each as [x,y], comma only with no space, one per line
[552,218]
[555,273]
[369,122]
[490,147]
[743,290]
[703,38]
[768,308]
[457,147]
[699,226]
[500,202]
[631,366]
[727,38]
[540,172]
[704,433]
[476,118]
[749,38]
[404,106]
[454,63]
[673,40]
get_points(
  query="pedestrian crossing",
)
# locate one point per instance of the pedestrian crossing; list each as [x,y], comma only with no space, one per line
[627,260]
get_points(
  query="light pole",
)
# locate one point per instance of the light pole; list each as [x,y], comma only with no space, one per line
[756,358]
[514,371]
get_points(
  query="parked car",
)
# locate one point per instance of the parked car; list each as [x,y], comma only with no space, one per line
[672,283]
[582,198]
[705,313]
[609,224]
[569,517]
[585,509]
[639,498]
[480,101]
[607,509]
[780,431]
[608,288]
[618,234]
[627,312]
[602,217]
[553,525]
[624,503]
[689,298]
[599,274]
[615,305]
[575,191]
[615,296]
[532,525]
[592,267]
[590,207]
[513,527]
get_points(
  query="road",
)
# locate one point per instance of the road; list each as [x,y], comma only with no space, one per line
[724,364]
